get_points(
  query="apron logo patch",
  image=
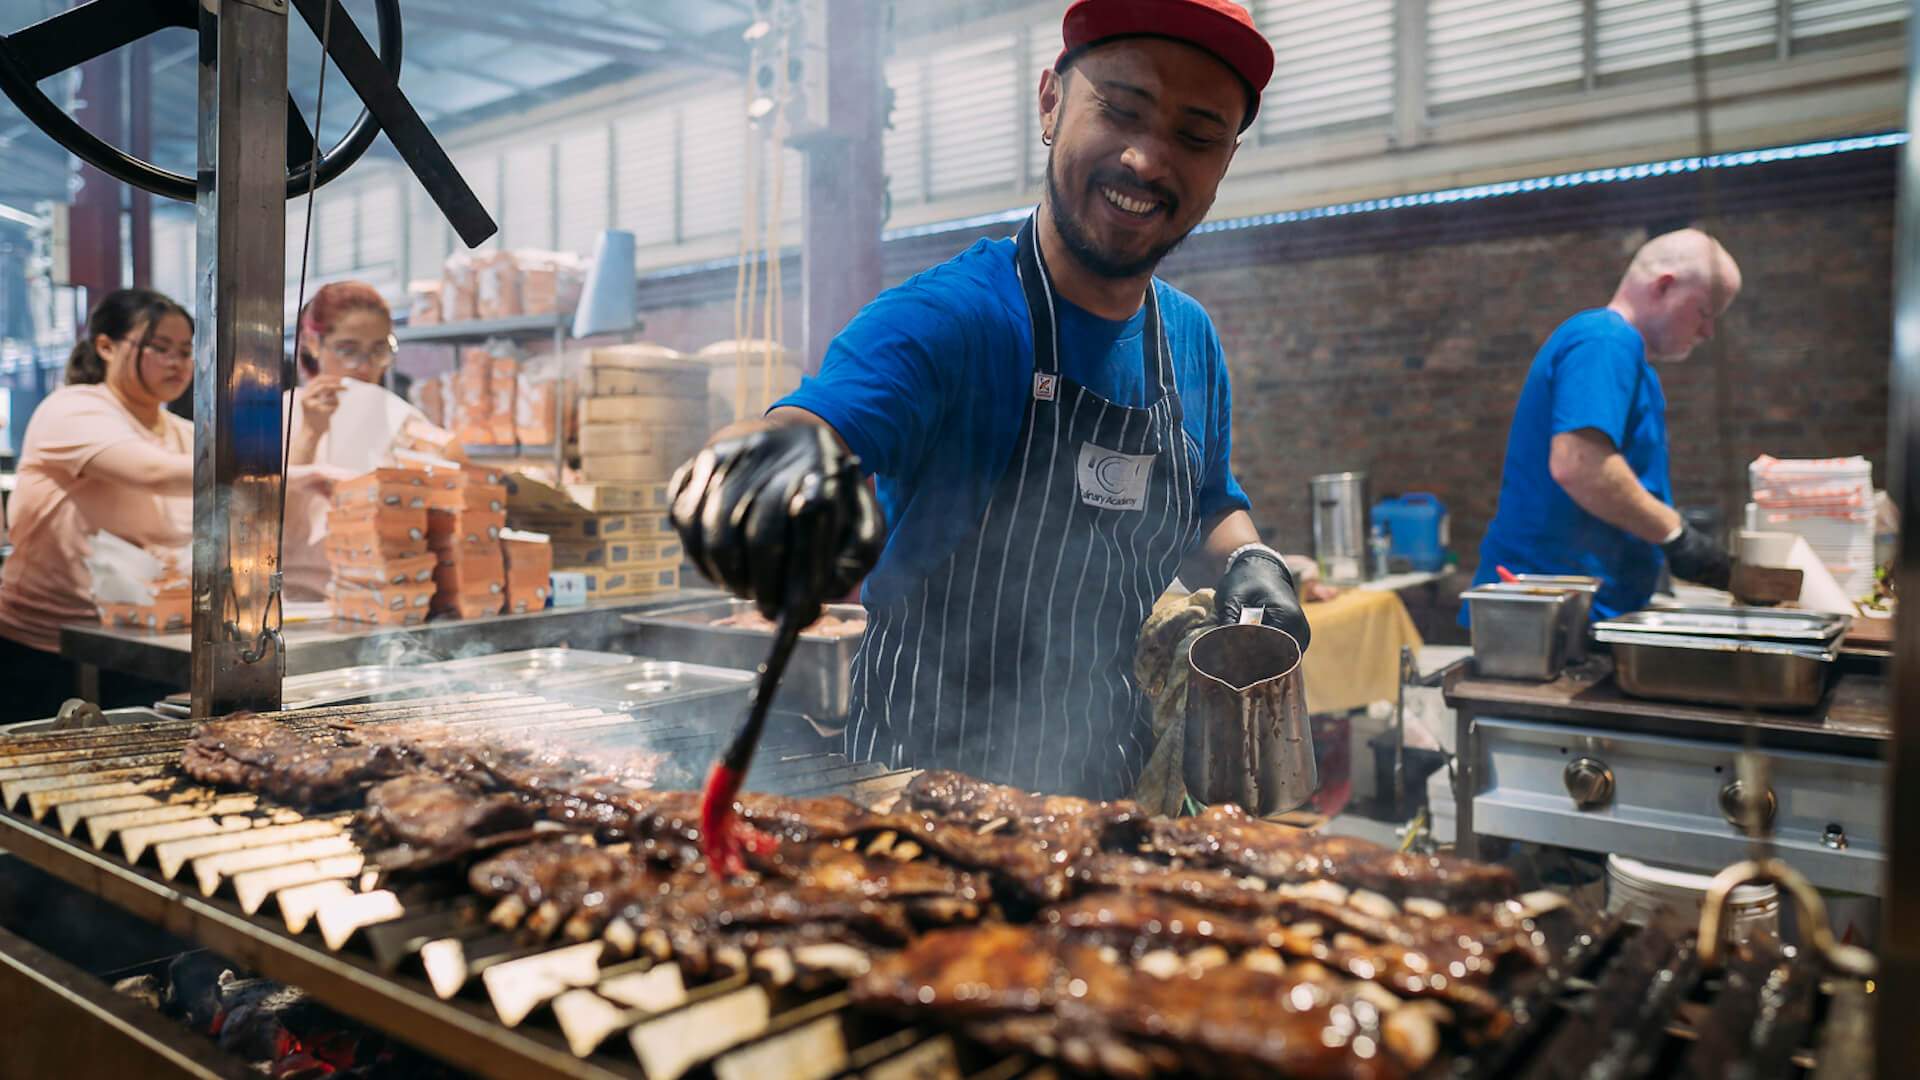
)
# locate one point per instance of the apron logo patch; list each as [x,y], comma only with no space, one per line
[1111,480]
[1045,387]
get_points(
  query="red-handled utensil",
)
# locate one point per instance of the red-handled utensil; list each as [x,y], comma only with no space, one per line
[723,836]
[1507,576]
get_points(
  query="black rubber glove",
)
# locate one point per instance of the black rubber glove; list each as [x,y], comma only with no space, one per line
[780,516]
[1693,556]
[1259,579]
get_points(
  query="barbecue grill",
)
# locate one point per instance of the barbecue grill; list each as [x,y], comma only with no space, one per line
[291,895]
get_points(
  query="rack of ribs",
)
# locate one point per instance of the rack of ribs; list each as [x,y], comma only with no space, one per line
[1029,988]
[1228,837]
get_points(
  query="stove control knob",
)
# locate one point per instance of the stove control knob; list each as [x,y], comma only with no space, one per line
[1835,837]
[1589,782]
[1733,805]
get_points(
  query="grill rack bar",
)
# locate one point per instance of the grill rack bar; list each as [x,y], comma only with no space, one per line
[578,1013]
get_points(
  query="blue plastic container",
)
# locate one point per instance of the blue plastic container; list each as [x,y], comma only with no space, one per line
[1417,522]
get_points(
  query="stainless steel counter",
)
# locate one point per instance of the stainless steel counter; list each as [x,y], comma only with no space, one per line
[324,646]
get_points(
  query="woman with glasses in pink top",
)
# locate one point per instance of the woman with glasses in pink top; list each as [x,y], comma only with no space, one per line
[101,455]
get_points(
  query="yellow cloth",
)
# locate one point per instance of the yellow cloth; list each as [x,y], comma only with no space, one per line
[1354,660]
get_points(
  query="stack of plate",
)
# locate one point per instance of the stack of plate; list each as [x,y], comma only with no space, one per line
[1828,501]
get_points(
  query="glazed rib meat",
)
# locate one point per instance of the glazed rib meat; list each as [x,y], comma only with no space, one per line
[288,763]
[1028,988]
[1479,939]
[424,820]
[1141,924]
[1226,836]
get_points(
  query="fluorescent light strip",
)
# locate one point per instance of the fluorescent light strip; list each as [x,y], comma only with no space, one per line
[1612,175]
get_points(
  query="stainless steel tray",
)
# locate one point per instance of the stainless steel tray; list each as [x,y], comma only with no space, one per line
[1752,624]
[525,670]
[818,683]
[1575,617]
[1718,670]
[651,683]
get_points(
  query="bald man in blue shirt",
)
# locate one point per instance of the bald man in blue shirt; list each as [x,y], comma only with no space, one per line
[1585,489]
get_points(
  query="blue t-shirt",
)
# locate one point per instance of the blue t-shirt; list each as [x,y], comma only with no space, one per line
[1592,373]
[930,384]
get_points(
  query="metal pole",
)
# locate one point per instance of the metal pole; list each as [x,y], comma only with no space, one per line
[240,257]
[844,178]
[1897,1040]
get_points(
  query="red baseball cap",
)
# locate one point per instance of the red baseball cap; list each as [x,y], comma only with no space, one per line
[1220,27]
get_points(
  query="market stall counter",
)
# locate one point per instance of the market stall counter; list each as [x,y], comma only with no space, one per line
[329,644]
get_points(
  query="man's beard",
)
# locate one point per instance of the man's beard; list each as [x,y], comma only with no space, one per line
[1081,245]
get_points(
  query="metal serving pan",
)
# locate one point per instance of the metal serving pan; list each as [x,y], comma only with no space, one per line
[528,669]
[819,678]
[1719,671]
[1519,632]
[1741,623]
[1575,616]
[649,684]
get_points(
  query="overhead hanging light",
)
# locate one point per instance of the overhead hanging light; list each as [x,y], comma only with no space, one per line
[607,304]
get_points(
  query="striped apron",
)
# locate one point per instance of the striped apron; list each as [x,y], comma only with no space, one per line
[1013,660]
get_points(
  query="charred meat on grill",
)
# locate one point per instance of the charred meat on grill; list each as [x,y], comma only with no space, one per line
[294,766]
[424,820]
[1141,924]
[1226,836]
[1028,987]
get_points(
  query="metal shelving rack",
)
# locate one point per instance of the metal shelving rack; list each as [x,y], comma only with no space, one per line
[516,328]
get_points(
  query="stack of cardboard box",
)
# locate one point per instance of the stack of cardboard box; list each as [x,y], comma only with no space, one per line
[171,608]
[643,413]
[529,557]
[466,511]
[618,537]
[377,548]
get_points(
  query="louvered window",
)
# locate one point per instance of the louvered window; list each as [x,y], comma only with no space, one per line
[1824,18]
[1333,64]
[644,155]
[1043,48]
[1482,49]
[333,231]
[583,189]
[974,136]
[528,201]
[712,148]
[379,229]
[427,234]
[1635,35]
[173,258]
[905,146]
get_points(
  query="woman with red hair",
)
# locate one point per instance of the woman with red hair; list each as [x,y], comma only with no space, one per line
[344,418]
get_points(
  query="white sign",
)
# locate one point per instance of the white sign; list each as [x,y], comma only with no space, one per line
[1111,480]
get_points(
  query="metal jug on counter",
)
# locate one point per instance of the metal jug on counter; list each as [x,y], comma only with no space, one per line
[1247,737]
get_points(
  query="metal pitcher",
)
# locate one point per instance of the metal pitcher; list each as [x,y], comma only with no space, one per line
[1247,737]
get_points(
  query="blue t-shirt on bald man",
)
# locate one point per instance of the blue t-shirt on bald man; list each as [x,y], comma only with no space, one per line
[930,384]
[1592,373]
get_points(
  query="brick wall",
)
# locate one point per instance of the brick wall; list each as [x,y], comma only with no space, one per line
[1408,364]
[1398,344]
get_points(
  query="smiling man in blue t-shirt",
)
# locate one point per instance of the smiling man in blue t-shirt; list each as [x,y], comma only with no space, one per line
[1585,489]
[1049,428]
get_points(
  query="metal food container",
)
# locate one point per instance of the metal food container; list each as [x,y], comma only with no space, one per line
[1339,502]
[1719,670]
[1579,610]
[819,679]
[1519,632]
[1744,623]
[527,669]
[652,684]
